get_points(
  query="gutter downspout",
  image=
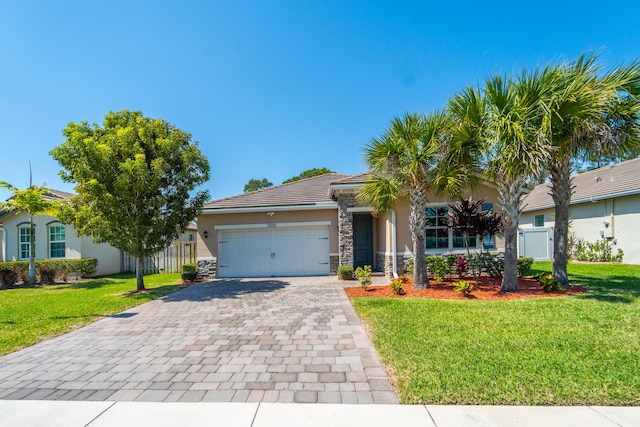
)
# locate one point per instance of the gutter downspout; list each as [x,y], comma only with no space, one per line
[394,260]
[4,243]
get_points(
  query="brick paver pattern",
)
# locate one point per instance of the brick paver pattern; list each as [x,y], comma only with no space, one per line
[249,340]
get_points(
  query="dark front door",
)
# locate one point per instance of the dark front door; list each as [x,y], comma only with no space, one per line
[362,240]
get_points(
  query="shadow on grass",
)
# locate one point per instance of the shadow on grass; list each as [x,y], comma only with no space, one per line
[225,288]
[614,289]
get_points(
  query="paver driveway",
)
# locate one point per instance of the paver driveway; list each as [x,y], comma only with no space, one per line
[262,340]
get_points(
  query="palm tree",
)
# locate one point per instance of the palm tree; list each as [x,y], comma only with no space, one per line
[403,161]
[499,126]
[32,201]
[587,113]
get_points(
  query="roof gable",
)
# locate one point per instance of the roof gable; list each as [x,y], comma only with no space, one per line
[604,183]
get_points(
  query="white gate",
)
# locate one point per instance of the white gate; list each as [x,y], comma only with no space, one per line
[536,243]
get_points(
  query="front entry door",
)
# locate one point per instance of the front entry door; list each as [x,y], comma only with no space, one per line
[362,240]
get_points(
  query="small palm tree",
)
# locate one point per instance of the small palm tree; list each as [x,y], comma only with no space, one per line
[403,161]
[496,134]
[31,200]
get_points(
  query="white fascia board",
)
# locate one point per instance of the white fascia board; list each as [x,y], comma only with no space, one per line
[272,225]
[339,187]
[317,206]
[588,200]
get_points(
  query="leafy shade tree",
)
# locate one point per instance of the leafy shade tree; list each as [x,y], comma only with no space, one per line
[496,132]
[403,161]
[309,173]
[257,184]
[591,115]
[33,201]
[133,179]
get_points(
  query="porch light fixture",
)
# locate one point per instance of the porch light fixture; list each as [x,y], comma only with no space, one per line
[270,213]
[206,234]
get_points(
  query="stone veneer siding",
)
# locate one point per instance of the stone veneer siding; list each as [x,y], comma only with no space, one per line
[206,268]
[345,228]
[384,263]
[334,261]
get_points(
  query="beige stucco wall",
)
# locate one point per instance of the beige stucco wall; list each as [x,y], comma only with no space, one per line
[208,248]
[76,247]
[587,222]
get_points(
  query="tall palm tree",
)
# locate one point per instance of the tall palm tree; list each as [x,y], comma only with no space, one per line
[32,201]
[587,113]
[403,161]
[498,127]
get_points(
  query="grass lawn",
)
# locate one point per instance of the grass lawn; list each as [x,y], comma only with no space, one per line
[570,350]
[32,314]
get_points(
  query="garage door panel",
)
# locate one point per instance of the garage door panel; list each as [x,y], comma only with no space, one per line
[274,252]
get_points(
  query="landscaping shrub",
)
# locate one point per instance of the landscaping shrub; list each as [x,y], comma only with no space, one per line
[464,287]
[46,273]
[9,276]
[410,267]
[189,268]
[600,251]
[548,283]
[461,264]
[345,272]
[524,266]
[438,267]
[396,286]
[364,276]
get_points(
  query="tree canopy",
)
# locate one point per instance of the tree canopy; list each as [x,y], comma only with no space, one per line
[257,184]
[133,177]
[309,173]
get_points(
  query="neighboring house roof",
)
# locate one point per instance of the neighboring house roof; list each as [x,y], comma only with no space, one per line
[622,179]
[50,194]
[310,192]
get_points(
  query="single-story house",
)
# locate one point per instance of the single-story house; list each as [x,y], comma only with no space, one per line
[55,240]
[605,205]
[312,226]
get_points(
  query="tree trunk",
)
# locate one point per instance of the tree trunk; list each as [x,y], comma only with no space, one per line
[561,189]
[32,252]
[418,226]
[140,272]
[510,195]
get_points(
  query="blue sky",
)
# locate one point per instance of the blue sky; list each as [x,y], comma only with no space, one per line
[271,88]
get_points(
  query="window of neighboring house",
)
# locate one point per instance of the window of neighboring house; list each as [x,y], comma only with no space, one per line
[24,242]
[191,237]
[488,242]
[57,241]
[538,221]
[438,235]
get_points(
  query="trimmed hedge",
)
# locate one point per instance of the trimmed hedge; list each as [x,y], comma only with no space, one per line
[46,270]
[345,272]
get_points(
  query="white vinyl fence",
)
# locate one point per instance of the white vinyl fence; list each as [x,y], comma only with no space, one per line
[168,261]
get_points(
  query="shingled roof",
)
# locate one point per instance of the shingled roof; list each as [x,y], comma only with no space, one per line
[617,180]
[310,191]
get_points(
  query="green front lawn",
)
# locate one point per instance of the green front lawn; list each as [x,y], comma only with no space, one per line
[29,315]
[553,351]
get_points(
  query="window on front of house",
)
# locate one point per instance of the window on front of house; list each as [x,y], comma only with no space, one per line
[24,242]
[57,241]
[438,235]
[538,221]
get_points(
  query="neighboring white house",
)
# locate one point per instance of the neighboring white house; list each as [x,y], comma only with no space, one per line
[53,240]
[605,205]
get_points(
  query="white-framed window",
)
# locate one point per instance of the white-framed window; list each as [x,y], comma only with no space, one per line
[438,235]
[24,242]
[57,241]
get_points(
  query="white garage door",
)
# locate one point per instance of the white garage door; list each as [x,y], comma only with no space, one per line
[287,251]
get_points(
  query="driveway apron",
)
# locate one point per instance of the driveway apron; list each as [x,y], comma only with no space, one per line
[249,340]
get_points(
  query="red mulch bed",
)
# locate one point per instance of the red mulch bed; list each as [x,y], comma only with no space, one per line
[487,289]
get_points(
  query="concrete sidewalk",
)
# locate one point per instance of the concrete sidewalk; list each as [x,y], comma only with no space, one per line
[18,413]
